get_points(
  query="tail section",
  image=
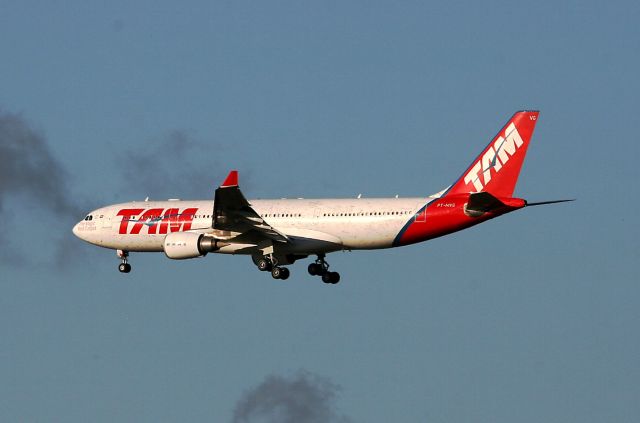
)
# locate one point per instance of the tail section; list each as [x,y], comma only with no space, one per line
[497,168]
[483,192]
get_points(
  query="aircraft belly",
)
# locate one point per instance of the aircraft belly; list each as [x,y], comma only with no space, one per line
[370,235]
[128,242]
[346,235]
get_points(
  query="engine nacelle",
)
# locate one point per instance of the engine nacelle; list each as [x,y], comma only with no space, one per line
[186,245]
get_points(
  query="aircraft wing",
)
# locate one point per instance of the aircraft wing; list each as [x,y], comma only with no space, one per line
[232,212]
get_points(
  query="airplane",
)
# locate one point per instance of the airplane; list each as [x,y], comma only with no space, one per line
[276,233]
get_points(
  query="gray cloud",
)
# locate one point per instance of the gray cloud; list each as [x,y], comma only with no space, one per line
[175,165]
[301,398]
[30,173]
[29,170]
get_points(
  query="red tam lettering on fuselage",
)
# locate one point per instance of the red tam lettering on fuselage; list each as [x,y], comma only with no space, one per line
[171,220]
[149,218]
[127,214]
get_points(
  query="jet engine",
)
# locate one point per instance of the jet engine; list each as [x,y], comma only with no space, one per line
[186,245]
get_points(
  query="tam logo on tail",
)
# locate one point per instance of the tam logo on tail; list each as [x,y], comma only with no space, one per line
[498,166]
[494,158]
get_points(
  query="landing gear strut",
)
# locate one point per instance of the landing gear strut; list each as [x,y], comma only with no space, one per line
[124,266]
[321,268]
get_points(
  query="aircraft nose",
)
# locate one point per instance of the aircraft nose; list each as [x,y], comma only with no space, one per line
[76,230]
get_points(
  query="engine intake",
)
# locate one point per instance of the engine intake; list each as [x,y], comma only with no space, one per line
[186,245]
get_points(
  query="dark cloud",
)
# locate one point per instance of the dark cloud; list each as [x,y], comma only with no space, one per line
[29,170]
[301,398]
[175,165]
[34,179]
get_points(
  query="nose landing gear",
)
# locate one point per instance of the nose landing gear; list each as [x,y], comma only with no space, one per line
[124,266]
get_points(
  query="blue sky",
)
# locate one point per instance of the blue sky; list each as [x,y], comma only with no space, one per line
[531,317]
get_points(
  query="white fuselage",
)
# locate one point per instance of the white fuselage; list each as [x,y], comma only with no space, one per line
[325,224]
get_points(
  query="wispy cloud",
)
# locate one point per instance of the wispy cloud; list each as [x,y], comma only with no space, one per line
[28,169]
[301,398]
[173,165]
[31,174]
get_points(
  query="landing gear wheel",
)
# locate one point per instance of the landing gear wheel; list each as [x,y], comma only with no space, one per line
[276,272]
[281,273]
[284,273]
[315,269]
[264,265]
[331,277]
[124,266]
[321,268]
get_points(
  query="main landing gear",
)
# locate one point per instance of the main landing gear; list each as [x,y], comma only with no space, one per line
[321,268]
[124,266]
[270,264]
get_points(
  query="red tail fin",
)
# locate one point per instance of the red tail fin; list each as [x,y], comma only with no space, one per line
[496,169]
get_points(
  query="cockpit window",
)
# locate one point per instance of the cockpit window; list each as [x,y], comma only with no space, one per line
[89,217]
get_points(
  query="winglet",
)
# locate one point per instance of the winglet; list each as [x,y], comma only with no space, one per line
[231,180]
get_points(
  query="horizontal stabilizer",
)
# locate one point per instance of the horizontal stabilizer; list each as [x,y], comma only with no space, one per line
[482,202]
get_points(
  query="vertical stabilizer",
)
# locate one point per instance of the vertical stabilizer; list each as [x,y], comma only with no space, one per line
[497,168]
